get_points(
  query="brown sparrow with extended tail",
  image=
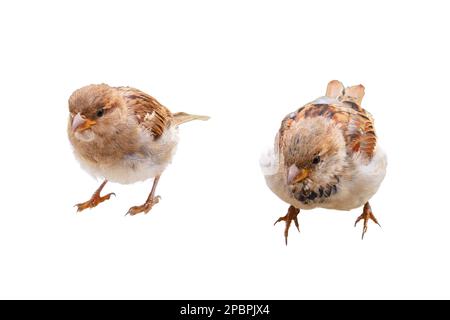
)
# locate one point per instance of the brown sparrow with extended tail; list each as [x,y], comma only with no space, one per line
[123,135]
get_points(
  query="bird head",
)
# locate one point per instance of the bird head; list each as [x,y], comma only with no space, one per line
[314,155]
[94,110]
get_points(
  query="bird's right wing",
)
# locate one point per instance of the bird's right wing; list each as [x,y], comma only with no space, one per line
[149,113]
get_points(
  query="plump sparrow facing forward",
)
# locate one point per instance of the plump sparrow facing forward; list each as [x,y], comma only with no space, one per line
[326,156]
[123,135]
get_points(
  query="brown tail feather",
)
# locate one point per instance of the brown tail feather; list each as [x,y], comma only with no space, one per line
[335,89]
[182,117]
[355,94]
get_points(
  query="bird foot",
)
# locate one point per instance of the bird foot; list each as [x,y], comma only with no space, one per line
[93,202]
[288,218]
[366,215]
[146,207]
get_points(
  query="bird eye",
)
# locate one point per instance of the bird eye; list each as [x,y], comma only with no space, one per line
[316,160]
[100,113]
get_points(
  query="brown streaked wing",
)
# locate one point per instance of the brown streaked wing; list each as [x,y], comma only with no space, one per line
[149,112]
[361,136]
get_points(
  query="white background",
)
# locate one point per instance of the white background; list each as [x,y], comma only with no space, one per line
[246,64]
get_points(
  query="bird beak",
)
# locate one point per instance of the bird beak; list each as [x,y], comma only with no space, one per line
[296,175]
[80,123]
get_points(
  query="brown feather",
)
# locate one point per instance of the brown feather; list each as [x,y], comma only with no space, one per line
[149,112]
[354,95]
[335,89]
[183,117]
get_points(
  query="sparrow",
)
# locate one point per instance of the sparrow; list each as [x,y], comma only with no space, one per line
[123,135]
[326,155]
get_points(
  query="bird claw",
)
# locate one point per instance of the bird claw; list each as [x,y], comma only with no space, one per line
[146,207]
[366,216]
[288,218]
[93,202]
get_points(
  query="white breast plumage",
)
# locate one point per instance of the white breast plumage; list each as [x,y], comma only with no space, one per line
[154,157]
[350,194]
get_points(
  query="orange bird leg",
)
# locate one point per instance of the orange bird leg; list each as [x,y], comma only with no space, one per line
[288,218]
[95,199]
[366,215]
[148,205]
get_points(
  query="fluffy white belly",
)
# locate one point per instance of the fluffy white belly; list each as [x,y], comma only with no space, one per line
[352,193]
[365,181]
[149,163]
[125,172]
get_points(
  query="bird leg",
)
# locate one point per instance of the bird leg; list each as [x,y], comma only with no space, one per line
[288,218]
[366,215]
[95,199]
[148,205]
